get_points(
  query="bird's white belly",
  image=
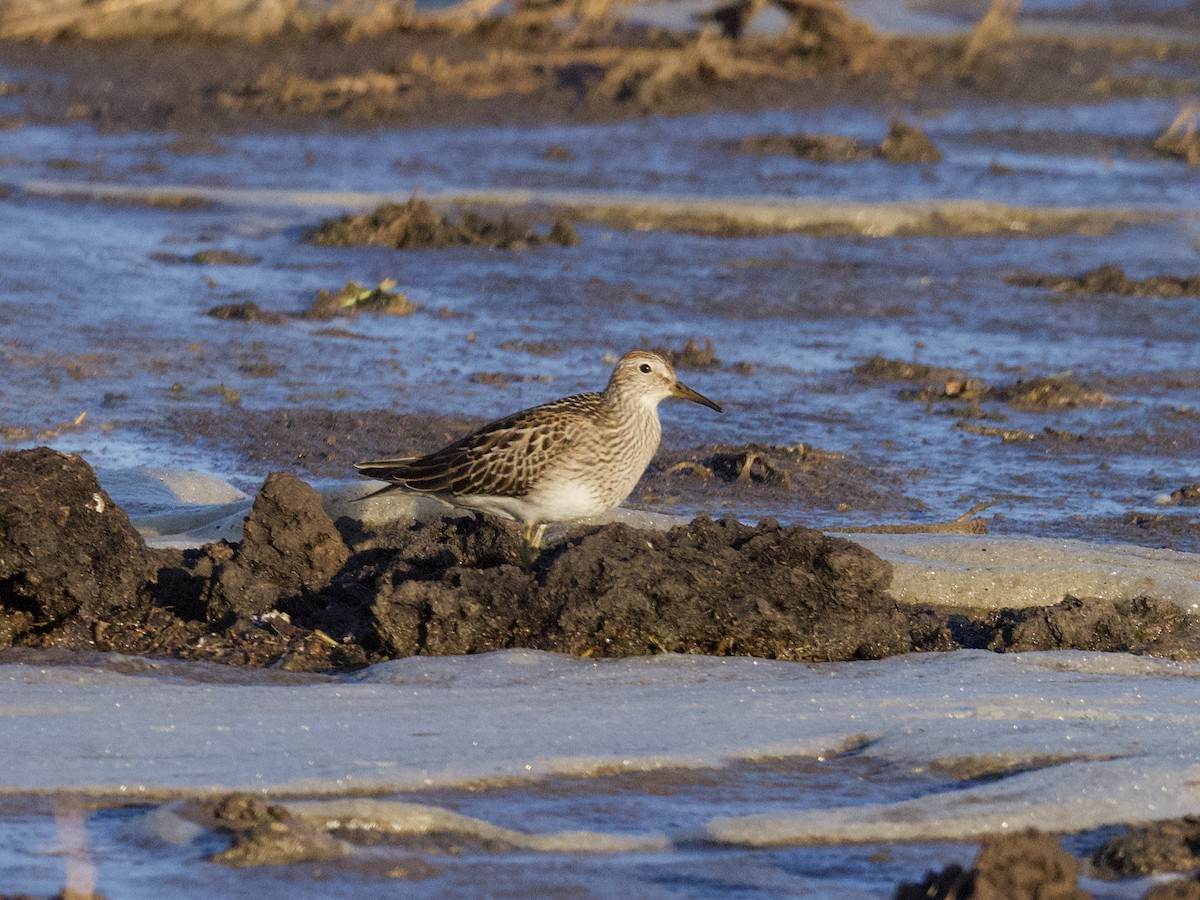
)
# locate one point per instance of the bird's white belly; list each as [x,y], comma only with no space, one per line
[560,502]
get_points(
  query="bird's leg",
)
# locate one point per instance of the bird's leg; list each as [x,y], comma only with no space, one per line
[533,535]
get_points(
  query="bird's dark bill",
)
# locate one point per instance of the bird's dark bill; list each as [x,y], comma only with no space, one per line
[683,392]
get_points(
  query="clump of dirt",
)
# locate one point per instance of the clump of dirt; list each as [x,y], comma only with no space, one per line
[1028,864]
[505,378]
[69,559]
[1171,845]
[247,312]
[354,298]
[415,225]
[1111,279]
[1182,139]
[1140,625]
[903,144]
[208,258]
[263,834]
[1047,392]
[693,356]
[755,464]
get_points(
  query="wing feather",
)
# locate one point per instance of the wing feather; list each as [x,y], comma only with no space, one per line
[504,458]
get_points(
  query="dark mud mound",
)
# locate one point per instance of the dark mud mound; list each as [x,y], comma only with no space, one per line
[1172,845]
[415,225]
[1111,279]
[1140,625]
[1029,865]
[903,144]
[297,594]
[722,587]
[68,555]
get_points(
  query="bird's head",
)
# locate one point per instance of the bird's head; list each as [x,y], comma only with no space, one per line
[645,376]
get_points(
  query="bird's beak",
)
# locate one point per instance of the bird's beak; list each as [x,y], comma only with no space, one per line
[683,392]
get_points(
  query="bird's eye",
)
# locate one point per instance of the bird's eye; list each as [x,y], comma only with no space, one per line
[645,367]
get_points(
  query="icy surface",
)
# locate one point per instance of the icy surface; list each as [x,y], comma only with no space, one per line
[1081,739]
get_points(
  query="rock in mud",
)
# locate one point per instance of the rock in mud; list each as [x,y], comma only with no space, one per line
[264,834]
[1111,279]
[415,225]
[1028,865]
[1172,845]
[66,550]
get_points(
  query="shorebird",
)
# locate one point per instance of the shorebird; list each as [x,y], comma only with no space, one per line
[564,460]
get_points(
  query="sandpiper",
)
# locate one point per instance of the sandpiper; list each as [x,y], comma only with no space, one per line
[564,460]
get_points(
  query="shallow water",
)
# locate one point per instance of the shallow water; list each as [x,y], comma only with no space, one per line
[93,322]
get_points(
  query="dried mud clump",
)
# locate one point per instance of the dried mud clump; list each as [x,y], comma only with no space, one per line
[354,298]
[415,225]
[904,144]
[1140,625]
[1111,279]
[1028,864]
[1172,845]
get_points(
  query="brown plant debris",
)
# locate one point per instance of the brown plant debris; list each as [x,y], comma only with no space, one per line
[243,19]
[1111,279]
[415,225]
[354,298]
[903,144]
[1182,139]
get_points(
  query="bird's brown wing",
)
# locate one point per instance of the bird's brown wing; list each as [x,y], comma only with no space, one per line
[504,458]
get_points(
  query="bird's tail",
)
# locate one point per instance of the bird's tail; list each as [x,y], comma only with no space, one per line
[384,470]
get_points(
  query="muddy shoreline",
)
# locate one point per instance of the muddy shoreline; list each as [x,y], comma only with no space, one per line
[303,593]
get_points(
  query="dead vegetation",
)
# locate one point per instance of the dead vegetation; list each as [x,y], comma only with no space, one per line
[243,19]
